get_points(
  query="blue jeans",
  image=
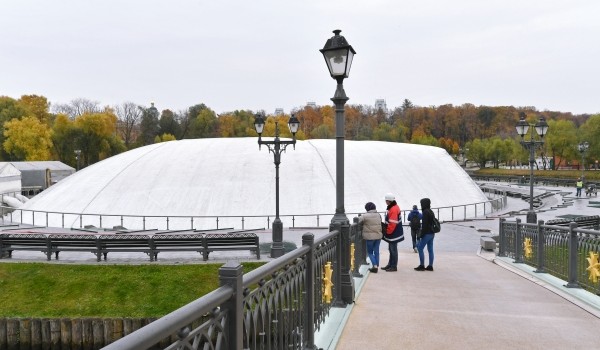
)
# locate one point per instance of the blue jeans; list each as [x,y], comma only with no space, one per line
[373,251]
[393,247]
[426,240]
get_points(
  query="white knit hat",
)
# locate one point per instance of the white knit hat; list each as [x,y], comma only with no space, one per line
[390,197]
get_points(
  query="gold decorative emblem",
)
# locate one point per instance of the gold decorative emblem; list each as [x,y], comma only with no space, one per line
[352,257]
[327,284]
[527,247]
[593,268]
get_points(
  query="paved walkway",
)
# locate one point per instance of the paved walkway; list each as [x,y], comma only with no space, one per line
[472,300]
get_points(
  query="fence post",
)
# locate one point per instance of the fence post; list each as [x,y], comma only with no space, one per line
[572,283]
[231,275]
[501,238]
[309,295]
[358,252]
[519,244]
[541,241]
[337,268]
[347,281]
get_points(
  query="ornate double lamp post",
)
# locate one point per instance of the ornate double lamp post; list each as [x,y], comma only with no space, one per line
[338,55]
[541,127]
[276,147]
[583,147]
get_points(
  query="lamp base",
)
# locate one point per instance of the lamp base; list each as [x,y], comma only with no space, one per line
[277,244]
[531,217]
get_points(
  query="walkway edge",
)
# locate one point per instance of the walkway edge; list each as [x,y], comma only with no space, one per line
[577,296]
[328,336]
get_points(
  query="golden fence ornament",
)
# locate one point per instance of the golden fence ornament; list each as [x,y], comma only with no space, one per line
[327,283]
[528,248]
[352,257]
[594,267]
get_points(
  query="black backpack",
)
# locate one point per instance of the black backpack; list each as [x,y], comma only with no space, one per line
[415,222]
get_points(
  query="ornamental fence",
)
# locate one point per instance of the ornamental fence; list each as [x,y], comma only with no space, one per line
[496,202]
[567,252]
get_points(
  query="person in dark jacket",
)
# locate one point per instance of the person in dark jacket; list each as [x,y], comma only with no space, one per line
[394,232]
[427,236]
[414,220]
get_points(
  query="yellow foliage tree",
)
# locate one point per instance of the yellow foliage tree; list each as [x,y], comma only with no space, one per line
[27,139]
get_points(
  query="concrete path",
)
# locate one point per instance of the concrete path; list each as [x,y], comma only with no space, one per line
[472,300]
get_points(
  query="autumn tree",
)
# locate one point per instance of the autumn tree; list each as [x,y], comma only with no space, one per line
[27,139]
[129,115]
[96,136]
[561,141]
[64,139]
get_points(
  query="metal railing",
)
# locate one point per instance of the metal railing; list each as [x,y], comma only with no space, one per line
[558,250]
[278,305]
[199,222]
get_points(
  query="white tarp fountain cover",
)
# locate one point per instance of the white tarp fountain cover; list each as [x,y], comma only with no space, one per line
[231,177]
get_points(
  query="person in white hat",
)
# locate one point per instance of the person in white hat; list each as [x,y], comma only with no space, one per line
[394,233]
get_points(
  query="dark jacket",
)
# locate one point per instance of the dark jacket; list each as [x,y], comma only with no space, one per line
[395,232]
[413,213]
[427,216]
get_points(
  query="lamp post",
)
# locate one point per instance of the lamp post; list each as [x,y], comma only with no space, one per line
[338,55]
[541,127]
[276,147]
[583,147]
[77,154]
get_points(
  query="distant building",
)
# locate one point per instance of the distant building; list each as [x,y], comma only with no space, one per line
[278,111]
[311,104]
[380,104]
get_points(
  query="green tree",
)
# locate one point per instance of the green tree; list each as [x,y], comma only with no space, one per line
[27,139]
[148,126]
[561,141]
[64,133]
[590,132]
[95,136]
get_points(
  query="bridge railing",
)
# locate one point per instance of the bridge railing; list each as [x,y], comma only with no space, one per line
[562,251]
[278,305]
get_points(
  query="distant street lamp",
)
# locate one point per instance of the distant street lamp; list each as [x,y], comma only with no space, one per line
[522,128]
[583,147]
[338,55]
[77,154]
[276,147]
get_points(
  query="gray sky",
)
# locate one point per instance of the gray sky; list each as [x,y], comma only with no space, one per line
[263,54]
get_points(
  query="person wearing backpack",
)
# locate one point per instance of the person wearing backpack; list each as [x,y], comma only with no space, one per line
[371,233]
[427,236]
[414,219]
[394,232]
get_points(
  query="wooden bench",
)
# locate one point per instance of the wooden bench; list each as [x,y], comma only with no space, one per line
[24,241]
[176,243]
[125,244]
[231,241]
[592,222]
[75,243]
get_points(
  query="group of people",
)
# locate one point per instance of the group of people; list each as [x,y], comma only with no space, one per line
[391,231]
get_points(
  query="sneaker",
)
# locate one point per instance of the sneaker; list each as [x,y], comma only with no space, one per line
[420,268]
[391,269]
[373,269]
[429,268]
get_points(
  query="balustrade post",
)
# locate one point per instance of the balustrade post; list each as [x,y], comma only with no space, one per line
[231,275]
[540,247]
[308,239]
[573,245]
[519,244]
[337,269]
[345,286]
[502,238]
[358,242]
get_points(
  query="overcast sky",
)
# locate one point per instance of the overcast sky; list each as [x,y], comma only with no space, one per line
[263,54]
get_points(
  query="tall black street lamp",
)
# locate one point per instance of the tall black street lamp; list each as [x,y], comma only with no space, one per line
[276,147]
[583,147]
[541,127]
[77,154]
[338,55]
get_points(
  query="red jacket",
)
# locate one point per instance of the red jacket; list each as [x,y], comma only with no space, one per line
[393,219]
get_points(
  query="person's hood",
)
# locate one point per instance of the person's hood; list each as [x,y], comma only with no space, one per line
[425,203]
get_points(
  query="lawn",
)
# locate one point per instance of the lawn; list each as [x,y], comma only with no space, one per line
[58,290]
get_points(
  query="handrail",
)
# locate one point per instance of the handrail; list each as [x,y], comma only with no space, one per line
[201,222]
